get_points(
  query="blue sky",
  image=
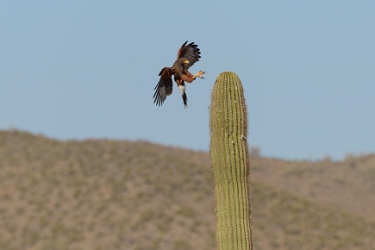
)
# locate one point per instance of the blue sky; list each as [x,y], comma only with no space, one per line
[87,69]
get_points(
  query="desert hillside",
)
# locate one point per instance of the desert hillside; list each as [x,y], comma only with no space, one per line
[106,194]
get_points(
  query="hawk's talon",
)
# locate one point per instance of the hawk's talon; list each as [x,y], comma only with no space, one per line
[200,74]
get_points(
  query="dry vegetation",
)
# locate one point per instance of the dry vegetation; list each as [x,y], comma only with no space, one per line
[104,194]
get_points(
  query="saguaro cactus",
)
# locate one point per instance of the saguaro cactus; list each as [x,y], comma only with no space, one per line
[230,163]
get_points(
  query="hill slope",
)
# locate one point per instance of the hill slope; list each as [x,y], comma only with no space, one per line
[103,194]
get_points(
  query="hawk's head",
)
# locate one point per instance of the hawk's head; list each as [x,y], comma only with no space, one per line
[185,63]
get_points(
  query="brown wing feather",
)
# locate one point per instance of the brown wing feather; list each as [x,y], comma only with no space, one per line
[164,86]
[190,52]
[181,49]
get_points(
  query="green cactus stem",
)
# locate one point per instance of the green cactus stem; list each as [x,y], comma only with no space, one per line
[230,163]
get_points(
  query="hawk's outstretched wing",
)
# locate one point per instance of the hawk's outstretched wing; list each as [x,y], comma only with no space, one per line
[190,52]
[164,86]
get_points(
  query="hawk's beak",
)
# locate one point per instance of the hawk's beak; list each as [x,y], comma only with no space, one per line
[186,61]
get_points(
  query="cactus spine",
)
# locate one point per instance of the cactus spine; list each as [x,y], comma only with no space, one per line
[230,163]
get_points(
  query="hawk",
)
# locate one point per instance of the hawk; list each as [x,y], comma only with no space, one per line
[187,55]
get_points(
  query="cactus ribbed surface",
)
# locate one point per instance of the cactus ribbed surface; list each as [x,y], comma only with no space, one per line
[230,163]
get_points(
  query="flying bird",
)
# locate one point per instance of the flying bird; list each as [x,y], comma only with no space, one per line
[187,55]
